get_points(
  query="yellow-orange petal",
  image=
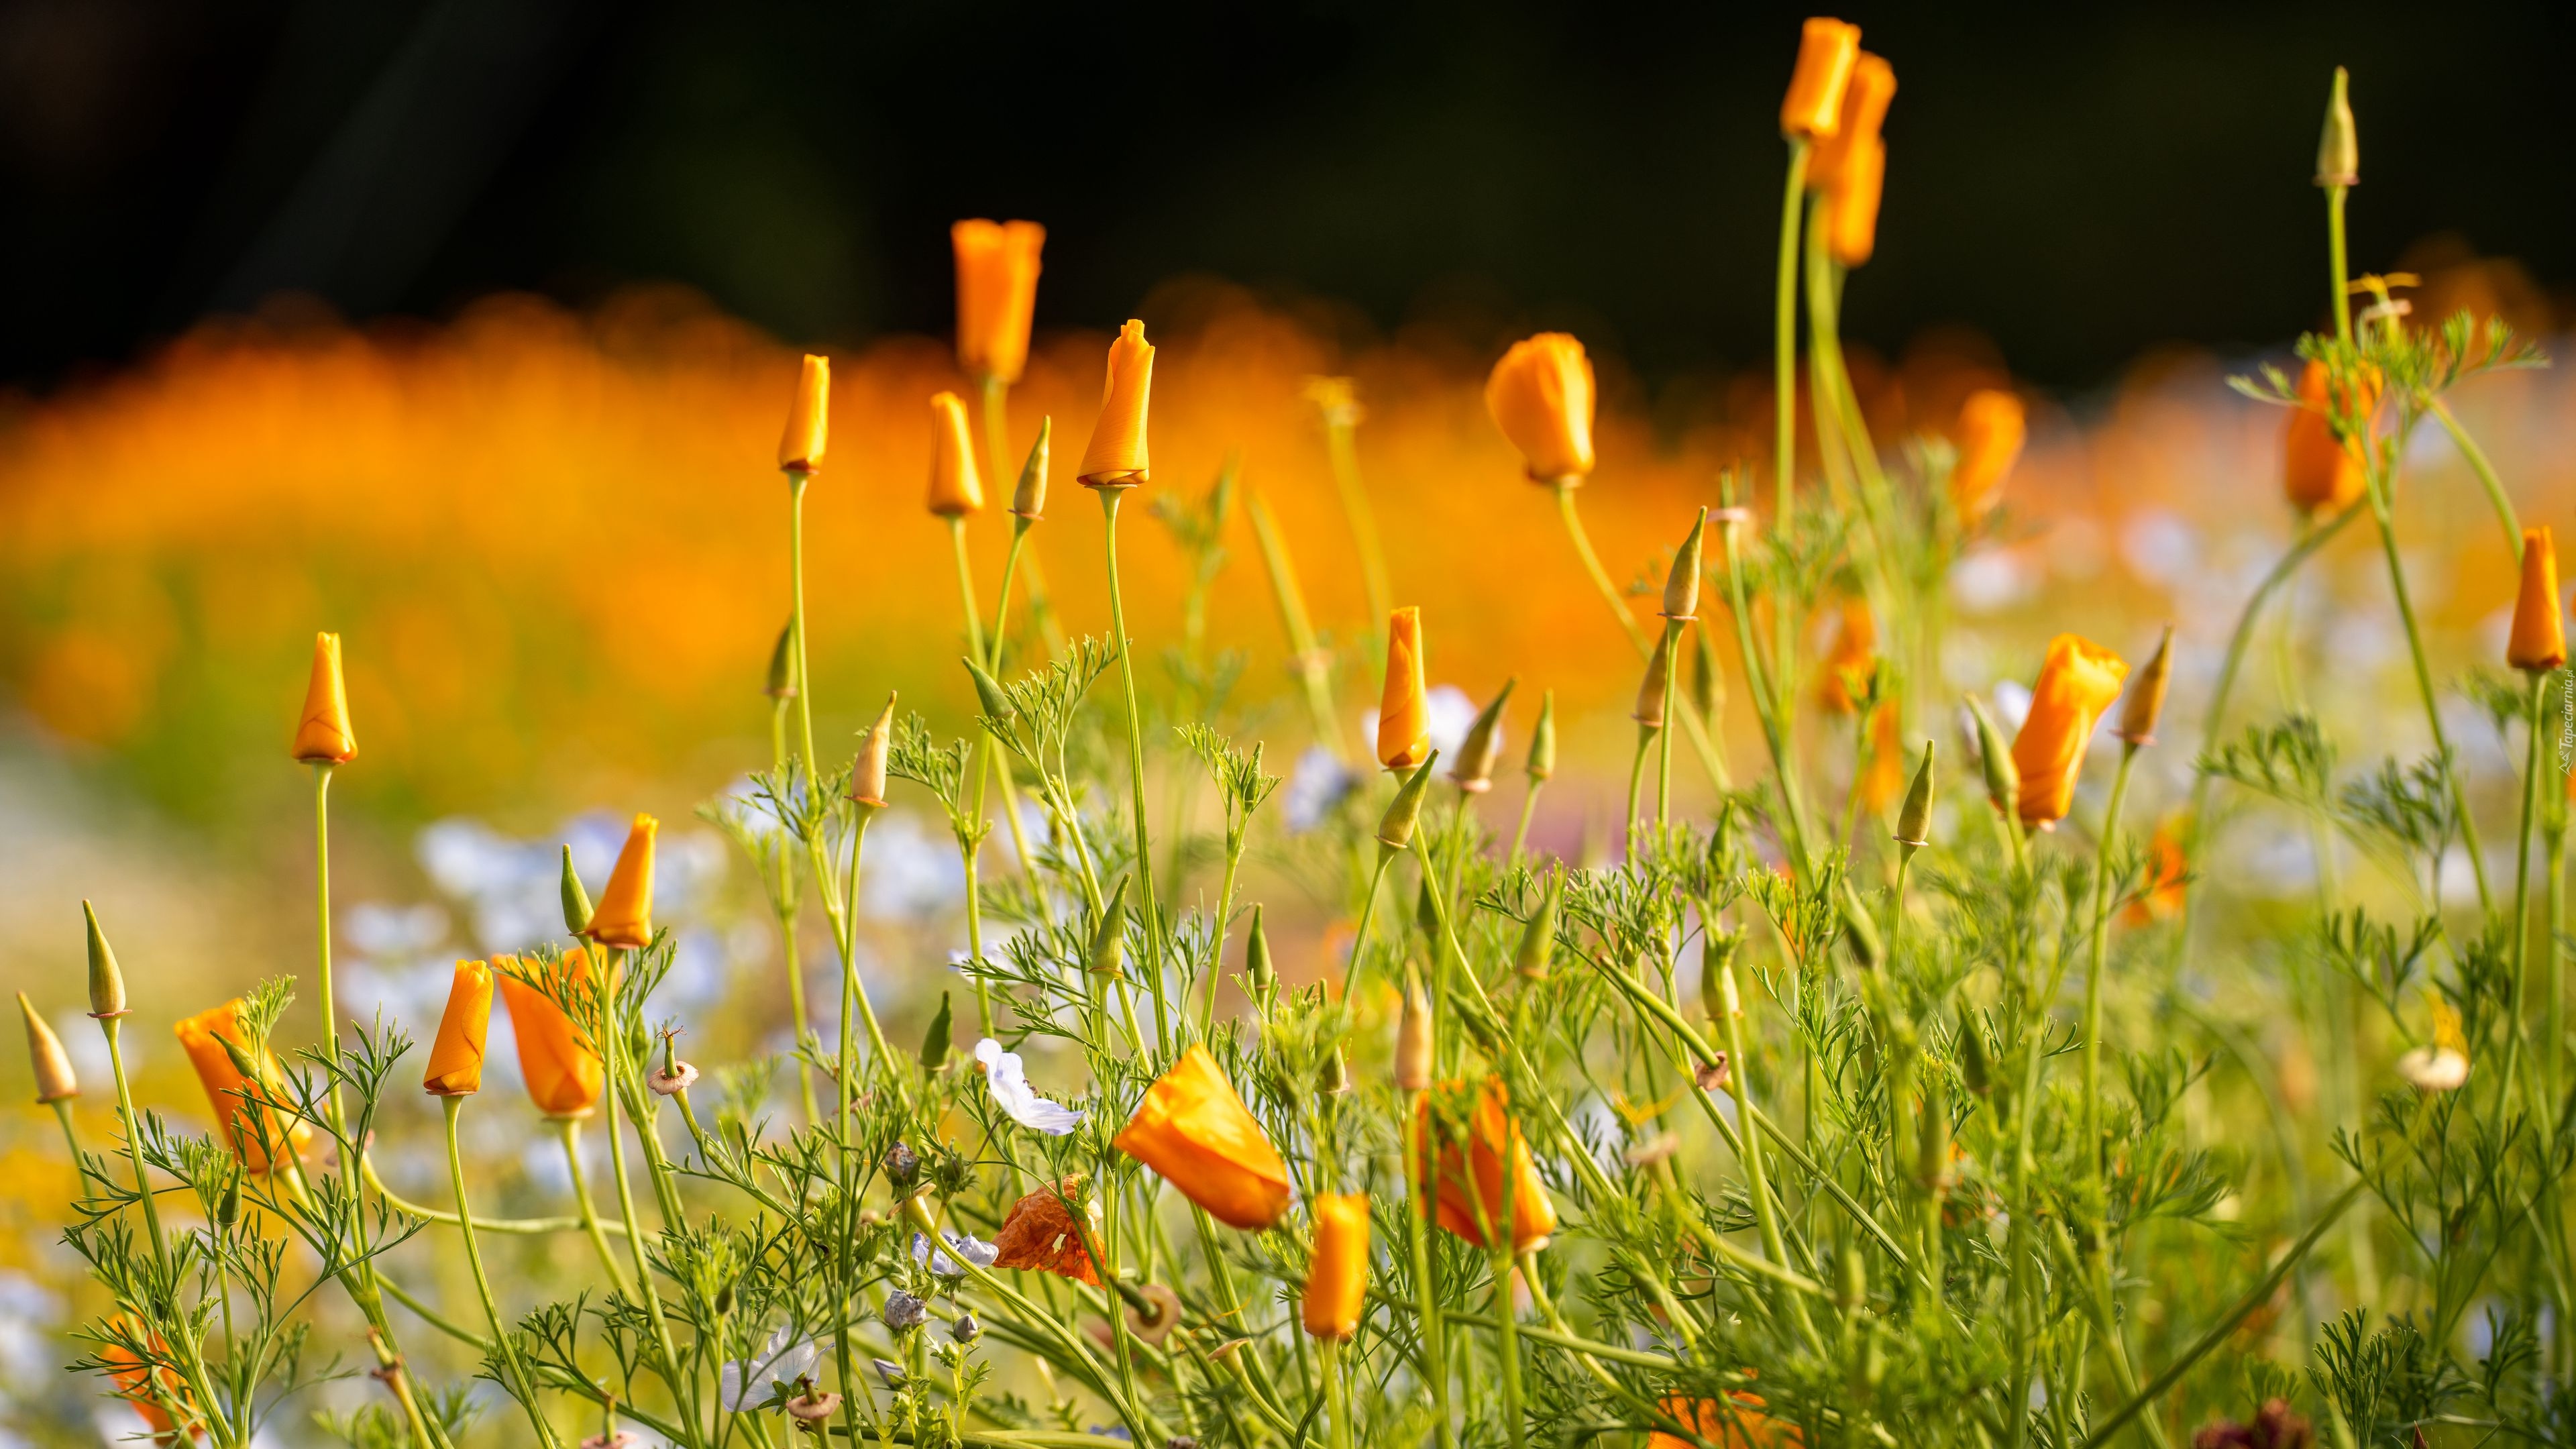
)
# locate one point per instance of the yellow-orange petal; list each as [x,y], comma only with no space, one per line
[1864,112]
[1337,1270]
[2539,641]
[322,734]
[561,1070]
[456,1056]
[624,915]
[1404,705]
[1851,204]
[1541,395]
[1196,1132]
[809,417]
[1989,438]
[202,1036]
[2318,470]
[2077,681]
[997,294]
[1117,456]
[1827,51]
[956,485]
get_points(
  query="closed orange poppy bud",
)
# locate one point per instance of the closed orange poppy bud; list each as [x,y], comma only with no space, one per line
[1116,457]
[997,294]
[809,417]
[1404,706]
[1865,101]
[1849,659]
[1851,204]
[1828,49]
[203,1036]
[868,774]
[2539,642]
[956,487]
[322,736]
[2077,681]
[2162,896]
[1990,433]
[456,1057]
[1736,1423]
[624,916]
[1197,1133]
[561,1070]
[1469,1175]
[2318,471]
[51,1065]
[135,1383]
[1541,396]
[1337,1271]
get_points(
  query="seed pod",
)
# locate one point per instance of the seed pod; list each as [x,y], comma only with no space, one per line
[2145,703]
[2339,145]
[966,1329]
[989,693]
[1474,769]
[106,982]
[576,901]
[1542,750]
[1395,828]
[1538,939]
[782,664]
[1913,821]
[1681,582]
[1413,1038]
[1109,933]
[902,1166]
[1259,972]
[1994,753]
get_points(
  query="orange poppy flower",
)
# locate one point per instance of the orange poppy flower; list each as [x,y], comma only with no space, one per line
[1197,1133]
[2539,641]
[2163,896]
[1117,455]
[322,735]
[956,488]
[226,1090]
[136,1384]
[624,916]
[1989,438]
[1337,1272]
[809,417]
[1886,777]
[1541,395]
[997,294]
[1469,1175]
[1404,706]
[2077,681]
[1853,652]
[1851,204]
[1739,1424]
[1039,1234]
[1828,49]
[1865,101]
[561,1069]
[456,1057]
[2318,470]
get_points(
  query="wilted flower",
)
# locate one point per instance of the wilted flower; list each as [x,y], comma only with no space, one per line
[904,1311]
[1039,1233]
[679,1078]
[973,1249]
[2444,1065]
[1008,1081]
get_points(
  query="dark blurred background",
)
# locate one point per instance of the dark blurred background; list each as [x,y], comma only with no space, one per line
[2081,183]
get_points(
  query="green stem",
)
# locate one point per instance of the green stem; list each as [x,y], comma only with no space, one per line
[1136,769]
[1426,1297]
[569,1129]
[2100,932]
[504,1348]
[797,478]
[2521,1004]
[1784,340]
[110,1025]
[1529,808]
[611,1054]
[1343,447]
[1692,724]
[2338,272]
[786,898]
[1739,1080]
[2485,470]
[322,928]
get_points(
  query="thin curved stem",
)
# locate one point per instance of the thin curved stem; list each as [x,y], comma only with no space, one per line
[569,1129]
[1136,769]
[504,1348]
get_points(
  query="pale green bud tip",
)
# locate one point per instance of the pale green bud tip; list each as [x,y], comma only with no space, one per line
[782,665]
[576,901]
[1542,751]
[1109,934]
[1538,940]
[1913,820]
[47,1061]
[1681,585]
[1474,768]
[1395,830]
[1028,501]
[1258,969]
[1994,754]
[989,692]
[2339,147]
[106,982]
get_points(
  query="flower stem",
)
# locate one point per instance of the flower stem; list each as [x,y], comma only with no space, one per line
[2093,1146]
[569,1129]
[1692,724]
[1739,1081]
[1136,768]
[786,895]
[1426,1296]
[2521,1004]
[504,1347]
[110,1025]
[797,478]
[612,1038]
[1342,445]
[1784,339]
[322,926]
[1520,832]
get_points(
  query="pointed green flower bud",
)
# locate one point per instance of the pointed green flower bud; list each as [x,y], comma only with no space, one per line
[243,1061]
[106,983]
[782,665]
[1932,1144]
[1707,681]
[2144,703]
[1426,911]
[1028,501]
[1538,939]
[1259,972]
[1542,750]
[1994,755]
[934,1042]
[1975,1067]
[1474,771]
[1915,819]
[1716,953]
[2339,148]
[1395,829]
[228,1206]
[576,901]
[1109,933]
[1681,584]
[989,693]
